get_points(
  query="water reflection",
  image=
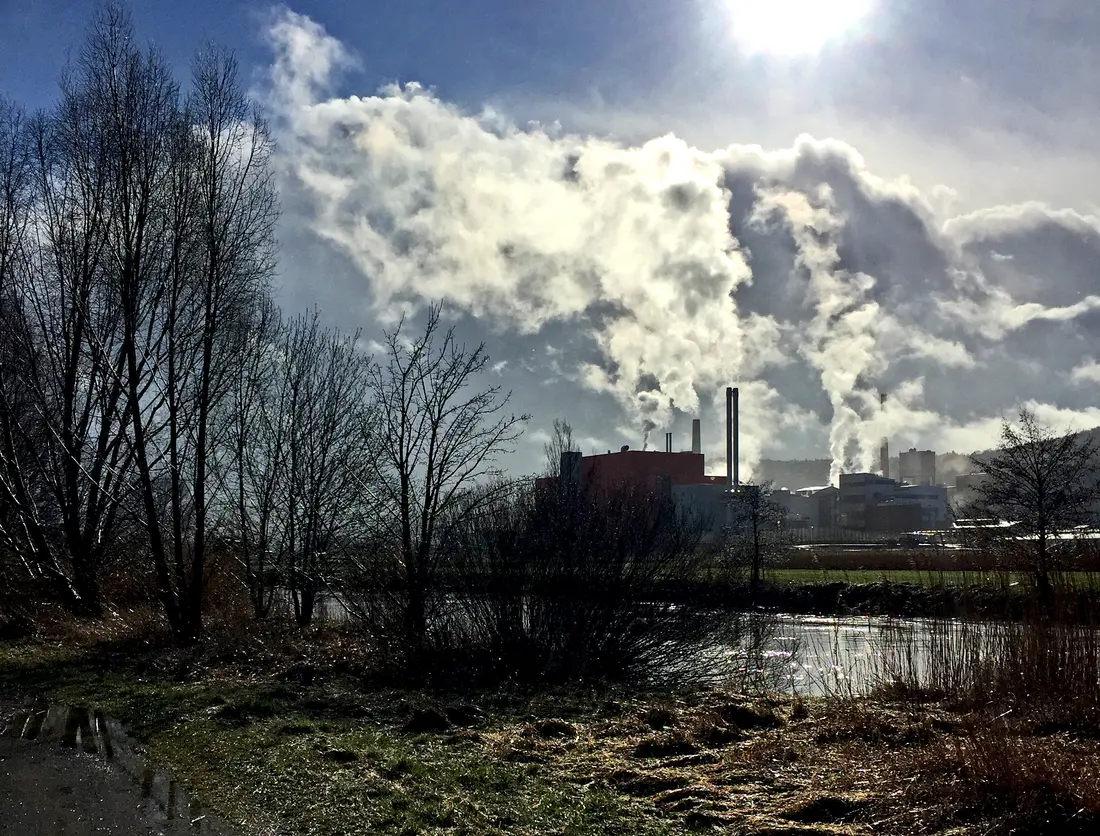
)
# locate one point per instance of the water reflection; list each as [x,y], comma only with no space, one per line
[166,803]
[818,656]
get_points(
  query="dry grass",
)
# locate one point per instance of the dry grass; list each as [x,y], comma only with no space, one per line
[266,716]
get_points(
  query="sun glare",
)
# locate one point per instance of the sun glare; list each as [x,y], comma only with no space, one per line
[792,27]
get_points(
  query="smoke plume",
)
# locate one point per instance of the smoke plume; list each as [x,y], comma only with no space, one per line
[796,274]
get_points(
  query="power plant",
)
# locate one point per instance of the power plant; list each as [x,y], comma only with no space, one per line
[862,501]
[681,475]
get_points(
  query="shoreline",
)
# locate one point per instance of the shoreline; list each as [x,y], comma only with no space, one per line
[889,598]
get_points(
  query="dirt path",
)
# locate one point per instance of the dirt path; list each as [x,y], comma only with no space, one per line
[91,786]
[44,790]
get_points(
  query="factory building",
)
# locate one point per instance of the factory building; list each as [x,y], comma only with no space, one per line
[874,503]
[703,503]
[860,491]
[965,491]
[680,475]
[640,468]
[917,467]
[812,507]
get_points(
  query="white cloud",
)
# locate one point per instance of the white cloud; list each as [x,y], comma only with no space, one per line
[1087,372]
[685,270]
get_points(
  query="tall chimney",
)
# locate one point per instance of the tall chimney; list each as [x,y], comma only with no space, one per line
[736,439]
[884,450]
[729,438]
[696,436]
[732,475]
[668,442]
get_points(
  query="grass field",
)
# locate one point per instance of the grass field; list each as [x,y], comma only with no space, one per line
[336,755]
[930,578]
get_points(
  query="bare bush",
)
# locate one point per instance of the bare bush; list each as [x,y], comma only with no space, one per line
[556,584]
[439,440]
[1036,664]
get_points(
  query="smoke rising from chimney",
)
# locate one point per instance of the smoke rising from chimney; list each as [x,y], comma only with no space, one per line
[679,268]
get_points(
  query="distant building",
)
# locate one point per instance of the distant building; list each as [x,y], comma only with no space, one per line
[647,469]
[870,502]
[703,503]
[680,476]
[917,467]
[812,507]
[965,491]
[930,500]
[894,517]
[800,511]
[860,491]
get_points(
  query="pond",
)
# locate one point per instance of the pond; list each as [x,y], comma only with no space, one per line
[814,656]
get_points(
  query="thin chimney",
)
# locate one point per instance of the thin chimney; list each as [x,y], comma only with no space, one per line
[696,436]
[884,450]
[736,438]
[733,478]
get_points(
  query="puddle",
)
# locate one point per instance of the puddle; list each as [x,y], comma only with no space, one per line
[89,733]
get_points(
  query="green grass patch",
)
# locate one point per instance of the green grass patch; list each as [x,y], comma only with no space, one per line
[325,760]
[382,782]
[794,577]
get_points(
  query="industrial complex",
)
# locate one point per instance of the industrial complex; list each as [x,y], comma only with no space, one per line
[868,502]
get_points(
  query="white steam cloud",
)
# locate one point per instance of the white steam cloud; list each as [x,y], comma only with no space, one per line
[688,270]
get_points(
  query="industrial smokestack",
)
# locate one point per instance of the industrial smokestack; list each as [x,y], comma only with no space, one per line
[732,476]
[729,438]
[696,436]
[668,442]
[736,439]
[884,450]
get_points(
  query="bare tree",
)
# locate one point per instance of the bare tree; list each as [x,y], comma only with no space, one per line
[1043,481]
[63,446]
[22,536]
[561,441]
[755,528]
[253,459]
[440,437]
[301,449]
[234,259]
[192,208]
[329,452]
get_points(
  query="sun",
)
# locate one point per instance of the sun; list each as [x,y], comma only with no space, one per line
[793,27]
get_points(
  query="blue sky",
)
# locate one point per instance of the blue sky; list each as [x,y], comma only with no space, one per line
[908,56]
[934,230]
[470,50]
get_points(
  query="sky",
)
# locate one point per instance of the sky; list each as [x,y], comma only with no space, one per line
[636,203]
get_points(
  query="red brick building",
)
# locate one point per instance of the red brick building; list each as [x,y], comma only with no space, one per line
[642,468]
